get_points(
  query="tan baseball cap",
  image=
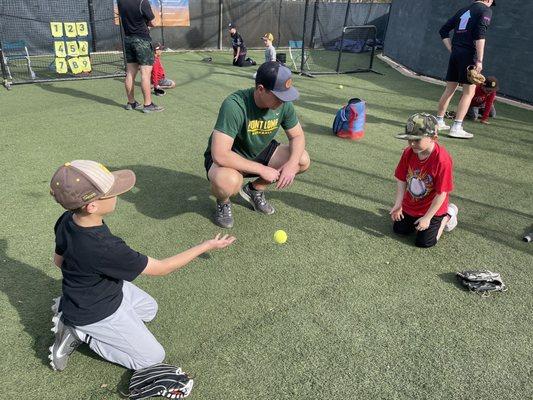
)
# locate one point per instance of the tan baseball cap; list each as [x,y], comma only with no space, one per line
[268,36]
[79,182]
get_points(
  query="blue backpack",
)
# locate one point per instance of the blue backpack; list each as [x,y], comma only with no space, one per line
[350,120]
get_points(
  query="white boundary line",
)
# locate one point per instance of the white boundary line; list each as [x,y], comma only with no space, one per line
[407,72]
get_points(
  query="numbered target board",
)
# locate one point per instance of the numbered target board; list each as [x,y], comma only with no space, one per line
[71,48]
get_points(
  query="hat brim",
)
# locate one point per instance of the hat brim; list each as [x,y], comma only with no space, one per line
[405,136]
[291,94]
[124,181]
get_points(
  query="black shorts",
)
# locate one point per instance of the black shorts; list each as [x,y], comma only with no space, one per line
[460,59]
[139,50]
[263,158]
[427,238]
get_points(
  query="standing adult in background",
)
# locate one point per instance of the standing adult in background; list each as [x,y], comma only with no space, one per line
[239,48]
[467,47]
[136,16]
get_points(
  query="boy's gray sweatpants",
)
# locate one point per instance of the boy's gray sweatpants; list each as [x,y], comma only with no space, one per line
[122,337]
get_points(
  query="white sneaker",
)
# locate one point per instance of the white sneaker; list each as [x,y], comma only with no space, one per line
[452,222]
[460,133]
[441,126]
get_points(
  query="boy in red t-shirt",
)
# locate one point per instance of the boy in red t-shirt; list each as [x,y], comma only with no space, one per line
[425,180]
[483,101]
[159,80]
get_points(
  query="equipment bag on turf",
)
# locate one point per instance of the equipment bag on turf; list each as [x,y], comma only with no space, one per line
[350,120]
[160,380]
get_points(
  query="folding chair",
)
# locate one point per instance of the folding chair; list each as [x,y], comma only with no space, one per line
[295,53]
[17,50]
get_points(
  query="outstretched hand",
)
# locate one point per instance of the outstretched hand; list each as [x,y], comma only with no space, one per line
[220,242]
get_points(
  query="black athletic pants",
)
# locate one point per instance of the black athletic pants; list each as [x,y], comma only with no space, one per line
[427,238]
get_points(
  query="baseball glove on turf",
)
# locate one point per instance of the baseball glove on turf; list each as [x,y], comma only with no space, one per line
[160,380]
[483,282]
[473,76]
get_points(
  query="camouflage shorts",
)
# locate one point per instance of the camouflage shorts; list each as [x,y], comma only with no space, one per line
[138,50]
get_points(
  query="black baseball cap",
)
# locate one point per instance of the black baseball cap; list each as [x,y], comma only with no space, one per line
[278,79]
[231,25]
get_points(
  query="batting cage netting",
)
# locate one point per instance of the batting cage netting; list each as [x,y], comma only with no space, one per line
[336,38]
[59,40]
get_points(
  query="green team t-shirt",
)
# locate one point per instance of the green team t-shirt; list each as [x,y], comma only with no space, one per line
[253,128]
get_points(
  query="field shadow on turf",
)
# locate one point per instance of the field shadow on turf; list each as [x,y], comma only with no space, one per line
[30,292]
[451,277]
[79,94]
[371,223]
[163,193]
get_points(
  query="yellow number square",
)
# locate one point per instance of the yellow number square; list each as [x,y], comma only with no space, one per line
[60,49]
[75,65]
[81,27]
[83,48]
[57,29]
[61,66]
[70,29]
[85,64]
[72,49]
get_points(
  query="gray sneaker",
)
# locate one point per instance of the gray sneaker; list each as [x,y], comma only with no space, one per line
[152,108]
[223,216]
[133,106]
[257,199]
[66,342]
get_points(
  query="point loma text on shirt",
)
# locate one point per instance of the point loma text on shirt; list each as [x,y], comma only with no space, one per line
[260,127]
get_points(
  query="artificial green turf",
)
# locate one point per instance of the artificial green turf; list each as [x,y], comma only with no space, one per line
[343,310]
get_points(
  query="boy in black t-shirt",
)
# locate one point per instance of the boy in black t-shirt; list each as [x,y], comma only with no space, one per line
[239,48]
[99,304]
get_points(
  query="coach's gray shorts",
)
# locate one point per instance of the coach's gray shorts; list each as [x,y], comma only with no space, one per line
[122,337]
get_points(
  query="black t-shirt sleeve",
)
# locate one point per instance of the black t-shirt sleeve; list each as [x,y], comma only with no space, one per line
[240,42]
[60,245]
[146,10]
[480,30]
[444,32]
[119,261]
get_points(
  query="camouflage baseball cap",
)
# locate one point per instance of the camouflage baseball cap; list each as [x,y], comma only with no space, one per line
[80,182]
[419,125]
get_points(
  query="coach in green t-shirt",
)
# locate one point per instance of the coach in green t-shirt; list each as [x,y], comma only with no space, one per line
[242,143]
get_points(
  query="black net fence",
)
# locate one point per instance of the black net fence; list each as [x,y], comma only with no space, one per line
[207,21]
[59,39]
[413,40]
[44,40]
[340,37]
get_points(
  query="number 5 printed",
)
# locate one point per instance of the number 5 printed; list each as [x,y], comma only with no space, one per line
[72,49]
